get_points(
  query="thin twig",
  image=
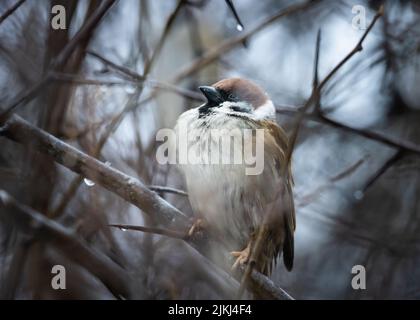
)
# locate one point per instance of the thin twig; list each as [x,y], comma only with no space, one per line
[384,139]
[308,198]
[159,231]
[384,168]
[126,71]
[166,31]
[316,92]
[10,11]
[315,81]
[368,134]
[348,171]
[235,14]
[84,32]
[75,79]
[61,58]
[229,44]
[168,190]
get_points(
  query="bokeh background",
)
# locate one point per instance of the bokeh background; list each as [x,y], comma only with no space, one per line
[356,197]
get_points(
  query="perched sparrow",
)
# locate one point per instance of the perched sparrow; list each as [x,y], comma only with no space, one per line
[252,213]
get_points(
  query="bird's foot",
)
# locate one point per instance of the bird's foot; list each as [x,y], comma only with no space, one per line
[197,228]
[242,257]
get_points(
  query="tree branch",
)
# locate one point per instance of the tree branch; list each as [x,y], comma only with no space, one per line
[162,232]
[62,57]
[129,188]
[75,79]
[232,8]
[229,44]
[384,168]
[368,134]
[10,11]
[316,92]
[166,30]
[113,276]
[160,189]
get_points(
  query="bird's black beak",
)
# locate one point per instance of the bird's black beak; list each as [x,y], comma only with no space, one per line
[213,95]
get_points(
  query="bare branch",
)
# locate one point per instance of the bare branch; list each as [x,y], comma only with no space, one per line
[115,181]
[75,79]
[159,231]
[368,134]
[129,188]
[316,92]
[28,220]
[315,81]
[232,8]
[84,32]
[229,44]
[308,198]
[267,286]
[126,71]
[166,31]
[348,171]
[384,139]
[11,10]
[62,57]
[384,168]
[168,190]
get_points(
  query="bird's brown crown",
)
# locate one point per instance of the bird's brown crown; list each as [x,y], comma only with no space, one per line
[244,90]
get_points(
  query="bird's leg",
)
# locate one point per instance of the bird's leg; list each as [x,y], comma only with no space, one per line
[254,249]
[242,257]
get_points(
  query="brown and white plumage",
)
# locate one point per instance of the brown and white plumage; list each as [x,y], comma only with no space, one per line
[236,206]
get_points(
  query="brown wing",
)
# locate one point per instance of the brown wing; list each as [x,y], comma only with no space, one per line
[286,195]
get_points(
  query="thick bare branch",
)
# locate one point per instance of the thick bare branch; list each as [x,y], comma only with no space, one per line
[268,287]
[129,188]
[115,181]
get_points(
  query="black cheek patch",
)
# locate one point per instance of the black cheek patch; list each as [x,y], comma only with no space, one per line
[240,109]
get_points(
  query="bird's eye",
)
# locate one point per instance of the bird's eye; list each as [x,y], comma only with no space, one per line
[231,97]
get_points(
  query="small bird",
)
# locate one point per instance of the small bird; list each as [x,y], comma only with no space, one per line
[253,213]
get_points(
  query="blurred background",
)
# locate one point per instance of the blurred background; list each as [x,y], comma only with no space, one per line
[136,71]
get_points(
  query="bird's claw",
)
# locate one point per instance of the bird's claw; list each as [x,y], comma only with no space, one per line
[242,257]
[197,228]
